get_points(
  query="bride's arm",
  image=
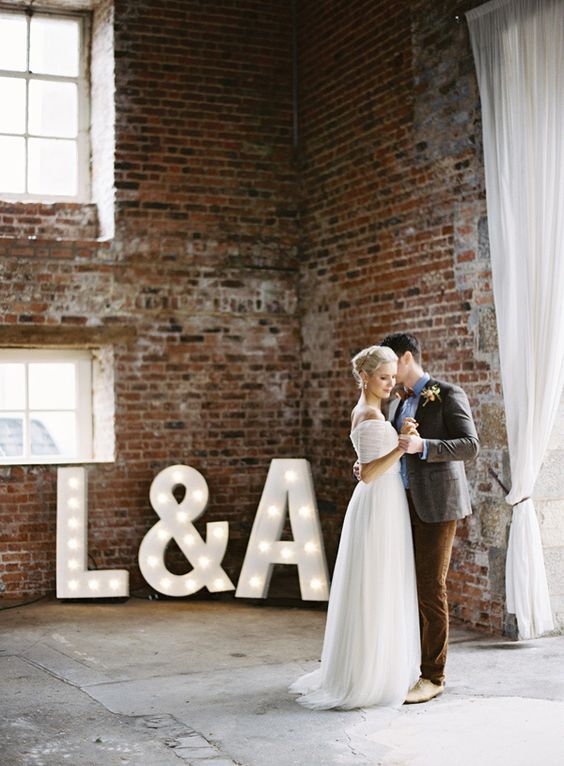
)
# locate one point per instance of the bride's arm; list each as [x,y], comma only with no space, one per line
[375,468]
[367,472]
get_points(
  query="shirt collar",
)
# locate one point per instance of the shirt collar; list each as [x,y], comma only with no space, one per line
[421,383]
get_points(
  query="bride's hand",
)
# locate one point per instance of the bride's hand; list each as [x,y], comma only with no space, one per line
[409,427]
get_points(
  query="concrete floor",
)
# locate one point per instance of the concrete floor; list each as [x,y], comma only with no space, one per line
[166,683]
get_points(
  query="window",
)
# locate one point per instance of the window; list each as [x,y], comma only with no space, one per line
[45,406]
[44,151]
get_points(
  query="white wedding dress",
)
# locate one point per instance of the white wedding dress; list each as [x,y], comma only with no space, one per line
[371,650]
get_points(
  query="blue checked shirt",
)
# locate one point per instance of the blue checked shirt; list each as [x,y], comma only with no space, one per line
[407,409]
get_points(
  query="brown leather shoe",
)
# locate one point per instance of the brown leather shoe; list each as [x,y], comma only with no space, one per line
[423,691]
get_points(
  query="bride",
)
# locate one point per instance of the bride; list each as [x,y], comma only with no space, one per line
[371,649]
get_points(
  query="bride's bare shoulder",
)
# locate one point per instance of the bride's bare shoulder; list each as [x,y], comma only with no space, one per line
[361,413]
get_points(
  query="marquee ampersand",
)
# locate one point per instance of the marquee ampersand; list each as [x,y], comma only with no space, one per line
[175,523]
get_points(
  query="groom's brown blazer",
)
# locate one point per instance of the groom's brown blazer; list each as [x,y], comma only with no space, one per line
[438,485]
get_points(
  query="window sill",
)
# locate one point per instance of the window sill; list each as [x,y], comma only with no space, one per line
[4,463]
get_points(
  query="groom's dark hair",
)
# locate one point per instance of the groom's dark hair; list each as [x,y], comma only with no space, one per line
[400,342]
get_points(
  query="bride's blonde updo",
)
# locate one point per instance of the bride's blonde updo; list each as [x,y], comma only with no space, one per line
[369,359]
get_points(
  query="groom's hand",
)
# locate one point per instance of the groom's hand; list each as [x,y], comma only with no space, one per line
[356,470]
[411,444]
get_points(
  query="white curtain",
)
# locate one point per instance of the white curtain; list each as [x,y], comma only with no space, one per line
[518,49]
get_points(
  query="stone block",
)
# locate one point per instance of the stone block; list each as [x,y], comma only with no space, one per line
[550,483]
[551,520]
[554,564]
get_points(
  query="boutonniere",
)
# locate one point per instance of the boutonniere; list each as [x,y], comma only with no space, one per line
[430,394]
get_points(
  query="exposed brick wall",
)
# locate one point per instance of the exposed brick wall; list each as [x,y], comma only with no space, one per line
[393,237]
[196,293]
[232,321]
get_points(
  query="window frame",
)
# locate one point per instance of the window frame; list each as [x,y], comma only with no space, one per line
[83,361]
[83,90]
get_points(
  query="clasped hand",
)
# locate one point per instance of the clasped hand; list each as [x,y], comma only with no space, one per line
[409,440]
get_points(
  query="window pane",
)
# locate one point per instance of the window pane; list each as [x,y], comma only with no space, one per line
[53,108]
[53,433]
[52,386]
[11,434]
[12,98]
[54,46]
[52,167]
[12,164]
[13,42]
[12,386]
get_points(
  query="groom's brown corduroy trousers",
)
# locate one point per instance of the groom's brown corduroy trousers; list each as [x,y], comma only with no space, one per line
[432,545]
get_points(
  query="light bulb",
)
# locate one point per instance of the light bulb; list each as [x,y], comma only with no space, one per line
[74,482]
[162,497]
[219,533]
[264,546]
[73,584]
[218,583]
[189,539]
[73,544]
[191,584]
[162,534]
[286,553]
[310,547]
[273,511]
[73,523]
[93,584]
[73,564]
[182,516]
[315,584]
[197,494]
[165,583]
[290,476]
[73,503]
[204,562]
[255,582]
[305,511]
[114,584]
[152,561]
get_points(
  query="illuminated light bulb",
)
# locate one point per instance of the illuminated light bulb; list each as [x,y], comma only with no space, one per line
[73,584]
[114,584]
[165,582]
[152,561]
[255,582]
[316,584]
[73,544]
[73,564]
[74,483]
[162,534]
[73,523]
[162,497]
[197,494]
[264,546]
[290,476]
[310,547]
[305,511]
[93,584]
[178,476]
[73,502]
[286,553]
[273,511]
[191,584]
[219,583]
[182,516]
[204,562]
[219,533]
[189,539]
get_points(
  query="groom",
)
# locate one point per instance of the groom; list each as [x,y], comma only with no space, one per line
[437,493]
